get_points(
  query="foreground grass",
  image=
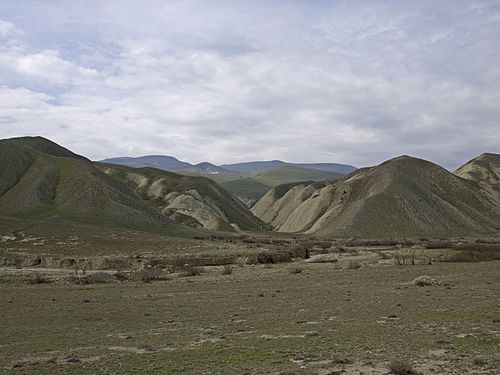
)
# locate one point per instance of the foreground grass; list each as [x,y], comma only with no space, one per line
[258,320]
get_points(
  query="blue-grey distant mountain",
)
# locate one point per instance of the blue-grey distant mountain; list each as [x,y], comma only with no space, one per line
[167,163]
[260,166]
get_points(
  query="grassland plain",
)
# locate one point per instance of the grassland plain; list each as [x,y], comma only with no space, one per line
[262,319]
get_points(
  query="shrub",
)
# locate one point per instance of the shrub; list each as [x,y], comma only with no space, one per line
[296,270]
[400,367]
[227,269]
[439,245]
[324,244]
[147,275]
[39,279]
[93,278]
[353,265]
[189,270]
[425,281]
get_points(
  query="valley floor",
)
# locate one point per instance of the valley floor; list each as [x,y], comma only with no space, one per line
[287,318]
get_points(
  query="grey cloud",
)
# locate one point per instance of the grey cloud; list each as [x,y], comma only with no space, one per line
[225,81]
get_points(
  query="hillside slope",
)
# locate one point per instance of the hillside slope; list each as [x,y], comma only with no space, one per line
[194,201]
[485,171]
[167,163]
[40,179]
[403,197]
[288,174]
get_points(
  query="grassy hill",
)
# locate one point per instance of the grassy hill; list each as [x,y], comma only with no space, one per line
[250,188]
[403,197]
[193,200]
[40,179]
[287,174]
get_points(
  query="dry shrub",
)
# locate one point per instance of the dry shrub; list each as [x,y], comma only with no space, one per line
[189,270]
[405,256]
[180,261]
[360,242]
[241,261]
[296,270]
[39,279]
[400,367]
[324,244]
[147,275]
[227,269]
[93,278]
[353,265]
[439,245]
[425,281]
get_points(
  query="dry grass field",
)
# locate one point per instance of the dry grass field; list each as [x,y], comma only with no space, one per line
[349,310]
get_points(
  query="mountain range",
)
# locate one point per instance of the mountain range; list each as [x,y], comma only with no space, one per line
[169,163]
[402,197]
[247,181]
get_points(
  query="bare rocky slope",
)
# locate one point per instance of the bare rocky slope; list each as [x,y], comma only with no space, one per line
[485,171]
[40,179]
[194,201]
[403,197]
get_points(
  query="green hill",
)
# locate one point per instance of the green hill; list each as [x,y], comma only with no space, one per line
[287,174]
[250,188]
[194,201]
[40,179]
[403,197]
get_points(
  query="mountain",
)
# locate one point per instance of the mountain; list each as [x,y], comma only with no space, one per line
[204,168]
[260,166]
[194,201]
[403,197]
[40,179]
[253,166]
[167,163]
[485,171]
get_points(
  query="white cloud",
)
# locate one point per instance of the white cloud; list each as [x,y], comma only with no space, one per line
[7,29]
[229,81]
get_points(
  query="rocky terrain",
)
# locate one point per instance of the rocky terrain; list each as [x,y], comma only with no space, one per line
[403,197]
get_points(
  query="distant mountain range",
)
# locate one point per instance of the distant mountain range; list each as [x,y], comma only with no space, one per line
[169,163]
[248,181]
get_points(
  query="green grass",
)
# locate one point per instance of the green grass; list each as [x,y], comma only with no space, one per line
[255,321]
[284,175]
[247,187]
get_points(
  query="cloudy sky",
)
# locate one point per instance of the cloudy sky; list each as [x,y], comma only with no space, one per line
[352,81]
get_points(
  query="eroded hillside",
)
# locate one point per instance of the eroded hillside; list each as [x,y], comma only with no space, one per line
[194,201]
[402,197]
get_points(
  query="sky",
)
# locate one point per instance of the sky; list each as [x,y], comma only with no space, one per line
[355,82]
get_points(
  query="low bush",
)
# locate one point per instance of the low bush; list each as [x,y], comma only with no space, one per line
[353,265]
[189,270]
[39,279]
[425,281]
[93,278]
[400,367]
[147,275]
[227,269]
[439,245]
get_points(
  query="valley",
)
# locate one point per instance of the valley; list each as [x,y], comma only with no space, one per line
[108,268]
